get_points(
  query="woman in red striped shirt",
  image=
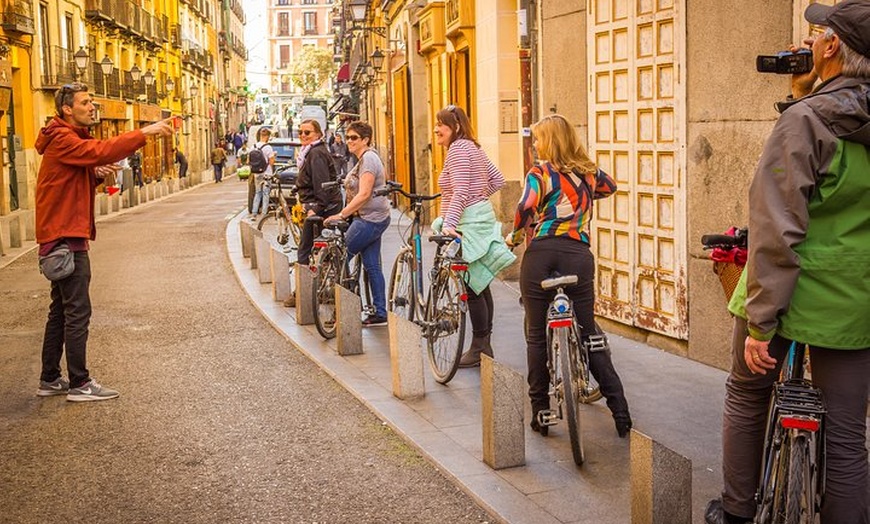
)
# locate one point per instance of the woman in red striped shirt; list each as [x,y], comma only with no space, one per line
[466,182]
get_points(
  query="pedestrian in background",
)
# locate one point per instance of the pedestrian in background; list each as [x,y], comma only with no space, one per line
[340,153]
[218,160]
[467,181]
[181,160]
[73,164]
[261,180]
[315,168]
[558,196]
[237,143]
[135,163]
[371,215]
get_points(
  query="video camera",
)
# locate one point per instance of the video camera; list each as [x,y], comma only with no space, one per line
[786,62]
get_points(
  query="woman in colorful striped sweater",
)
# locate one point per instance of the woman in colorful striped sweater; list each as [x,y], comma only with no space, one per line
[466,182]
[558,195]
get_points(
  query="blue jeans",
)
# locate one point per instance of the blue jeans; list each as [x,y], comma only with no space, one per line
[218,172]
[261,195]
[365,237]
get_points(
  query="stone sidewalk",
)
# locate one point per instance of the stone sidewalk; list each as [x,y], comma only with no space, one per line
[676,401]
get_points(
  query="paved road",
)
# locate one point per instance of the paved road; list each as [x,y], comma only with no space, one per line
[219,419]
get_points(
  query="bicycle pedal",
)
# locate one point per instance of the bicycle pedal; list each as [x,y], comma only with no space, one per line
[548,417]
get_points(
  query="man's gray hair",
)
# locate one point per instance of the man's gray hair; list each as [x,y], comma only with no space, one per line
[855,64]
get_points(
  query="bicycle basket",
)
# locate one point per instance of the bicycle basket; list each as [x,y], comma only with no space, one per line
[729,274]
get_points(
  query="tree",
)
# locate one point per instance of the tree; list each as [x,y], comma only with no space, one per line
[312,69]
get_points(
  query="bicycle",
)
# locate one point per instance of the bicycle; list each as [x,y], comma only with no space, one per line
[440,310]
[331,267]
[571,380]
[284,212]
[792,478]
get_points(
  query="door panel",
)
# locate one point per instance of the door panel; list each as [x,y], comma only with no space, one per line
[636,128]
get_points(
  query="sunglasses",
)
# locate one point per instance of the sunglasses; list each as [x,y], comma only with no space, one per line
[352,138]
[306,132]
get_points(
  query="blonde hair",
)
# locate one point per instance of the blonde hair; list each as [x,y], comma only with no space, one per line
[559,144]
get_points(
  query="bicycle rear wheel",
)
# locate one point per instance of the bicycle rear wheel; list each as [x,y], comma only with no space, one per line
[771,510]
[569,365]
[402,297]
[800,494]
[445,325]
[323,299]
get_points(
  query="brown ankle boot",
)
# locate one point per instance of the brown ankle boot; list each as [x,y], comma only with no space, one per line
[471,358]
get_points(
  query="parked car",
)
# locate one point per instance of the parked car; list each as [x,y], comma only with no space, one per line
[285,165]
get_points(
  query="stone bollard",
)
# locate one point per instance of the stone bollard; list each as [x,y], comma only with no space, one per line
[304,291]
[661,483]
[406,357]
[255,233]
[246,233]
[280,265]
[348,321]
[502,397]
[262,247]
[102,204]
[115,201]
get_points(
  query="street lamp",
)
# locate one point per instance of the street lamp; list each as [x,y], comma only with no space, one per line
[194,90]
[377,59]
[358,10]
[136,73]
[345,89]
[170,85]
[81,59]
[149,80]
[106,66]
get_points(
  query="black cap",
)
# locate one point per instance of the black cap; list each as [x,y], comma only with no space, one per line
[850,19]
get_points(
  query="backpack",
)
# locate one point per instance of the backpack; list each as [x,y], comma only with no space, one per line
[257,161]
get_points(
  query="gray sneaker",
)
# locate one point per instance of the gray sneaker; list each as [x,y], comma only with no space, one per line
[90,391]
[59,386]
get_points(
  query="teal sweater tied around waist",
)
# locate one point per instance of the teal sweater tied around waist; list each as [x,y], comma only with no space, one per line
[482,245]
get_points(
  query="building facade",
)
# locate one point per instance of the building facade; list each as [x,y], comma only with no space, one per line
[143,61]
[294,25]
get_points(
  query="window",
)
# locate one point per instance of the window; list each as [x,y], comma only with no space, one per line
[284,60]
[68,27]
[283,2]
[310,19]
[43,35]
[309,2]
[283,24]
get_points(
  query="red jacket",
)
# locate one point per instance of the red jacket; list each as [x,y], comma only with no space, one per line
[67,180]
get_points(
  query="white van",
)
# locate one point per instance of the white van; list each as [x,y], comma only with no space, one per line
[313,113]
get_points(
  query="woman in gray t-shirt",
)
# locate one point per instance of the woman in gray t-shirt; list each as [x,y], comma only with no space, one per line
[371,214]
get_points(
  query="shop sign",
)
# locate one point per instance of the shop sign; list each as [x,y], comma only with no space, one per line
[146,113]
[112,109]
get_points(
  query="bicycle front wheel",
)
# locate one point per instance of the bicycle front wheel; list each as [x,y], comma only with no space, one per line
[275,222]
[800,494]
[323,298]
[402,297]
[568,353]
[445,325]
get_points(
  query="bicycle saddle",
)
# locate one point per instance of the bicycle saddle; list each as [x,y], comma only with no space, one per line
[341,225]
[314,219]
[442,239]
[555,282]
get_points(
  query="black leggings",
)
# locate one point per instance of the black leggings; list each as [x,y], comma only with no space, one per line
[480,310]
[563,256]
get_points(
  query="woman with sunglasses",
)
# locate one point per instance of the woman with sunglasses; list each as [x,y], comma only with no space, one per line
[371,214]
[558,195]
[467,181]
[315,167]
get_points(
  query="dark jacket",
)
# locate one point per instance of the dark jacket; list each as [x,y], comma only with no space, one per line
[317,169]
[66,181]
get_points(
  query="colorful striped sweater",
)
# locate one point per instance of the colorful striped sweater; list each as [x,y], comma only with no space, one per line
[468,177]
[561,203]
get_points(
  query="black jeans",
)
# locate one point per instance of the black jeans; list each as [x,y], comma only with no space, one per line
[310,230]
[69,316]
[480,310]
[563,256]
[842,375]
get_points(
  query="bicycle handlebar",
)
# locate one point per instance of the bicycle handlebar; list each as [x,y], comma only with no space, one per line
[740,239]
[395,187]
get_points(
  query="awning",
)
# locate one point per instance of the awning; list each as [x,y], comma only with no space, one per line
[343,73]
[337,104]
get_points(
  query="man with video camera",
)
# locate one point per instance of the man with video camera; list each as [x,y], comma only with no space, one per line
[807,279]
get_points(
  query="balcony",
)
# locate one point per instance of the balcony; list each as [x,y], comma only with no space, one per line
[109,87]
[175,36]
[61,68]
[458,15]
[18,18]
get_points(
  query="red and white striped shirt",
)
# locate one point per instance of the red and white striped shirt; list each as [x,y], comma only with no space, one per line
[468,177]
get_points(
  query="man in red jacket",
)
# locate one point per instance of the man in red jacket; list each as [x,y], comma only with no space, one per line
[73,164]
